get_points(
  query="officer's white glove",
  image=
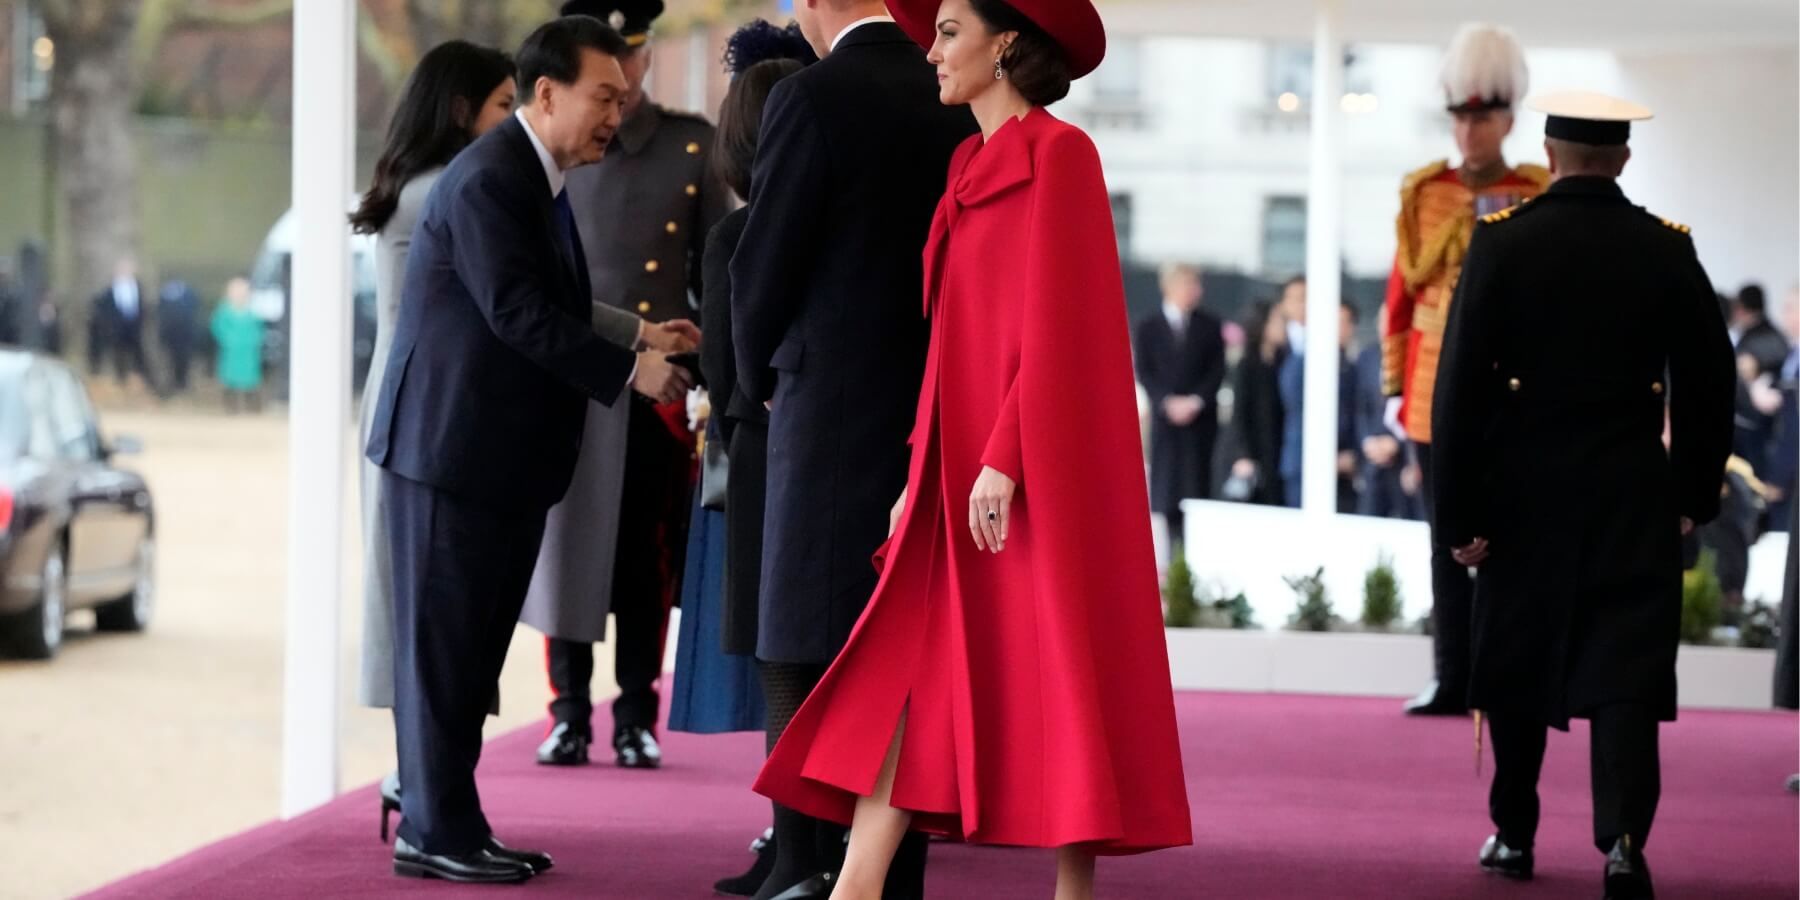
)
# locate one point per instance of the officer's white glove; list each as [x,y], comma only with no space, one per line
[1391,418]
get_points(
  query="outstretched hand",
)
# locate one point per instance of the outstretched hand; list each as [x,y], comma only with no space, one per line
[660,380]
[673,336]
[990,509]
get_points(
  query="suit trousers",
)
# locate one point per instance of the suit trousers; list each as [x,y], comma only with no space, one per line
[129,357]
[1452,600]
[656,474]
[1625,764]
[461,569]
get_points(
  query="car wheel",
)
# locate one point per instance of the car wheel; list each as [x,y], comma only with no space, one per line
[40,630]
[132,612]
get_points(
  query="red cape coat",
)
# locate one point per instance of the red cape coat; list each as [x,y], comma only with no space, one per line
[1035,682]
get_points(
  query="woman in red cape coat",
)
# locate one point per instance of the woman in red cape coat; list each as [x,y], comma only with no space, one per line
[1026,685]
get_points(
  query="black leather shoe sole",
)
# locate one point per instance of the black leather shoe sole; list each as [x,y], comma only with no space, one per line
[538,863]
[563,759]
[1513,873]
[406,869]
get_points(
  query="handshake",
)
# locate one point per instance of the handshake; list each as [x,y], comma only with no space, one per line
[665,361]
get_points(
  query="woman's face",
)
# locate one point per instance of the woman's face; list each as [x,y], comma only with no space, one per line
[499,105]
[965,52]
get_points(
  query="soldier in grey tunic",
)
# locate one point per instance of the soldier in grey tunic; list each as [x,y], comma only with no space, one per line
[614,544]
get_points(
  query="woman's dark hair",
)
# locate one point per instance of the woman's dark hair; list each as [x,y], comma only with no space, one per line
[553,51]
[740,121]
[1035,63]
[1256,326]
[434,122]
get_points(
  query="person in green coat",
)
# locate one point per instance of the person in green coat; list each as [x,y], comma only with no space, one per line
[239,333]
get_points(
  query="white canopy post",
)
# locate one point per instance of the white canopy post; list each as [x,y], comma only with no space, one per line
[319,394]
[1324,268]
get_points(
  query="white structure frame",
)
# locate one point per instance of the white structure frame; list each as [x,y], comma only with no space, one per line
[323,141]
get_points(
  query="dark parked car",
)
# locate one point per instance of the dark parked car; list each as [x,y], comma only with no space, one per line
[75,532]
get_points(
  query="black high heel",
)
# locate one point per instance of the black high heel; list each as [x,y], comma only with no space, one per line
[390,801]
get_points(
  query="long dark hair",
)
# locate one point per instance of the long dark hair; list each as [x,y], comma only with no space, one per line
[740,121]
[1256,328]
[434,121]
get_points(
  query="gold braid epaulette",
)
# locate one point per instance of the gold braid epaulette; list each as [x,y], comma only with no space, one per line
[1500,216]
[1421,257]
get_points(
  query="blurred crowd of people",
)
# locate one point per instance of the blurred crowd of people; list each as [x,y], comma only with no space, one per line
[125,316]
[1226,405]
[1226,402]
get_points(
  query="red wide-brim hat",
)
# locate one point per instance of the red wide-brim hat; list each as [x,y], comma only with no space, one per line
[1073,24]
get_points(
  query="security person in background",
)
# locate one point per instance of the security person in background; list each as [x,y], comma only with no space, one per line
[1553,480]
[644,213]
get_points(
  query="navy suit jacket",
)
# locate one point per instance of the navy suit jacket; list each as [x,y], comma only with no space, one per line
[494,357]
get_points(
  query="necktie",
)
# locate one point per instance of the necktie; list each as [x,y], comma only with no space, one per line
[565,227]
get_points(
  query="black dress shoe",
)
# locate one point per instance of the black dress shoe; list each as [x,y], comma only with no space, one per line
[637,748]
[746,885]
[479,867]
[817,887]
[1627,875]
[538,863]
[1436,701]
[390,801]
[564,747]
[1502,860]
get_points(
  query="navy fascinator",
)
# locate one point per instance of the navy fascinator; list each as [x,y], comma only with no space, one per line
[760,41]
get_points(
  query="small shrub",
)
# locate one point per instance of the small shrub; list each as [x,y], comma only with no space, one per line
[1180,609]
[1236,612]
[1701,598]
[1381,595]
[1759,626]
[1313,610]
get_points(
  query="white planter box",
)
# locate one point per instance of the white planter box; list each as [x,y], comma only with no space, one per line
[1252,548]
[1399,665]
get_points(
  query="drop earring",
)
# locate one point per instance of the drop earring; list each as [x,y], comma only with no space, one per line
[999,71]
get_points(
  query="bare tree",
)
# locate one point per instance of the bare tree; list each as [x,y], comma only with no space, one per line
[102,47]
[92,95]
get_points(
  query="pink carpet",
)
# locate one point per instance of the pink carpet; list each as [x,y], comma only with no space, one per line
[1293,797]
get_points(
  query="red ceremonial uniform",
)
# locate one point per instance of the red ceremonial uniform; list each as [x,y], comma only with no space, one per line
[1437,219]
[1035,682]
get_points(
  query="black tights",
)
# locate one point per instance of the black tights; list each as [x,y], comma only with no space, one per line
[798,854]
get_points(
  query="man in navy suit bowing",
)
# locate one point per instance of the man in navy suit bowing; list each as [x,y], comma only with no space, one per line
[479,423]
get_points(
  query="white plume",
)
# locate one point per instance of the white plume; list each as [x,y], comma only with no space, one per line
[1485,61]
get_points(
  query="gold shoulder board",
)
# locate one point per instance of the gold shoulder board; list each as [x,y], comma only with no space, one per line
[1673,225]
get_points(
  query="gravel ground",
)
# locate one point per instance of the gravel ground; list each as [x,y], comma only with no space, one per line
[128,750]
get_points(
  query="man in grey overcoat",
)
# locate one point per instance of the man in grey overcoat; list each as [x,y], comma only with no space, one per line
[614,544]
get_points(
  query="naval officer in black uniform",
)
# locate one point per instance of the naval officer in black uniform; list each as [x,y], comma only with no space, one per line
[1552,477]
[644,214]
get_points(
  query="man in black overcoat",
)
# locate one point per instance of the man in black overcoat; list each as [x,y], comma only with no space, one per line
[1552,477]
[826,308]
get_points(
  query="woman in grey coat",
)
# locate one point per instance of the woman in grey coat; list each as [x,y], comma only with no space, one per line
[457,93]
